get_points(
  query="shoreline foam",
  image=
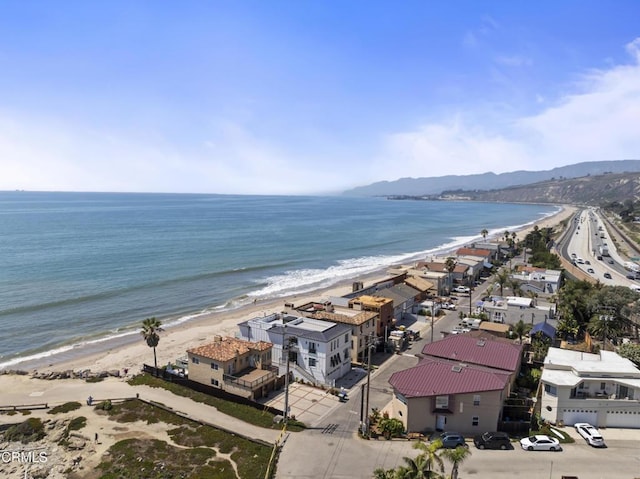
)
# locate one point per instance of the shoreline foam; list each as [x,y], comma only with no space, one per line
[127,350]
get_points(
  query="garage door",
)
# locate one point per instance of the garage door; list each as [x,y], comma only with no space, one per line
[623,418]
[572,416]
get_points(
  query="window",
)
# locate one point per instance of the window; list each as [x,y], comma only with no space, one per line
[312,362]
[312,348]
[215,382]
[442,402]
[550,390]
[476,399]
[346,338]
[475,420]
[195,360]
[346,354]
[603,386]
[214,366]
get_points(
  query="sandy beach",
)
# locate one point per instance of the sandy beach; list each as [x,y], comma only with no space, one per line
[132,352]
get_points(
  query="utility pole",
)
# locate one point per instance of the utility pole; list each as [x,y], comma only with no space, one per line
[366,417]
[432,313]
[286,384]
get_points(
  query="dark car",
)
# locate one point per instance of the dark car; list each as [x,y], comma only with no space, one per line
[607,275]
[492,440]
[451,440]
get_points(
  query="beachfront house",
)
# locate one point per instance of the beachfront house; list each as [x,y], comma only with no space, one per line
[602,389]
[404,298]
[243,368]
[382,306]
[460,384]
[363,324]
[318,351]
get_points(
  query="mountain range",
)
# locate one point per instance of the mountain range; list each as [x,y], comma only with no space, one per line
[477,183]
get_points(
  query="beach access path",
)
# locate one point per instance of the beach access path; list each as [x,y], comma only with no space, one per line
[18,390]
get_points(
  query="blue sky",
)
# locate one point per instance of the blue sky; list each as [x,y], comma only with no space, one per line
[301,97]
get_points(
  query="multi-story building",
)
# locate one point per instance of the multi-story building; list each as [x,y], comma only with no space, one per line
[318,351]
[460,384]
[238,367]
[380,305]
[602,389]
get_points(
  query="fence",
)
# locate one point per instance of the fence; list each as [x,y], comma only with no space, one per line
[209,390]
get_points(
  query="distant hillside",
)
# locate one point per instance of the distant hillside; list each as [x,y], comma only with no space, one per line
[588,190]
[490,181]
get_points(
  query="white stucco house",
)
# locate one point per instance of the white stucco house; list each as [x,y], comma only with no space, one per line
[602,389]
[319,351]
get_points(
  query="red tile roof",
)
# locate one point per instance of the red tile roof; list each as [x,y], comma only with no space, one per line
[481,350]
[473,252]
[225,349]
[435,377]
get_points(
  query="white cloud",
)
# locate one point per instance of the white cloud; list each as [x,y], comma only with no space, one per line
[597,121]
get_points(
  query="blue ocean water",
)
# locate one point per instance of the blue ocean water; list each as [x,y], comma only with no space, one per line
[78,267]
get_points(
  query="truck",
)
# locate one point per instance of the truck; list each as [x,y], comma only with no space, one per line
[603,249]
[631,266]
[471,323]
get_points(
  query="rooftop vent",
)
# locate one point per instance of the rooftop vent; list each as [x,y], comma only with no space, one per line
[480,343]
[456,368]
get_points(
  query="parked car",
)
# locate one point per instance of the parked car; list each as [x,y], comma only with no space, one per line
[451,440]
[540,443]
[590,271]
[590,434]
[587,262]
[607,275]
[611,261]
[461,289]
[492,440]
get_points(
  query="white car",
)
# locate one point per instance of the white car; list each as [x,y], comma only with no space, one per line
[590,434]
[540,443]
[461,289]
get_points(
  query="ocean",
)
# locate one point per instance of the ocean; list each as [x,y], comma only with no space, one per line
[79,268]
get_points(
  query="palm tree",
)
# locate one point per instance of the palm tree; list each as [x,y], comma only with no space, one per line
[521,329]
[502,278]
[484,233]
[455,457]
[450,266]
[381,473]
[417,468]
[432,459]
[150,329]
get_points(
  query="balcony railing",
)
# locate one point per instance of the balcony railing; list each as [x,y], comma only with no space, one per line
[597,395]
[256,383]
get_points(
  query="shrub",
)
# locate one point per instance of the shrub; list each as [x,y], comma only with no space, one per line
[66,407]
[28,431]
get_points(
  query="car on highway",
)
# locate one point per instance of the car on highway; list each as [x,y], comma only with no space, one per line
[590,434]
[607,275]
[492,440]
[450,440]
[540,442]
[610,261]
[590,271]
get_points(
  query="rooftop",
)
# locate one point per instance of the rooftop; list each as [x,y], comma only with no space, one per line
[486,350]
[225,349]
[432,377]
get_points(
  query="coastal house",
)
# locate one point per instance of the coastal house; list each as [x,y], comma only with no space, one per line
[537,280]
[459,274]
[382,306]
[602,389]
[363,324]
[460,384]
[238,367]
[318,351]
[404,297]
